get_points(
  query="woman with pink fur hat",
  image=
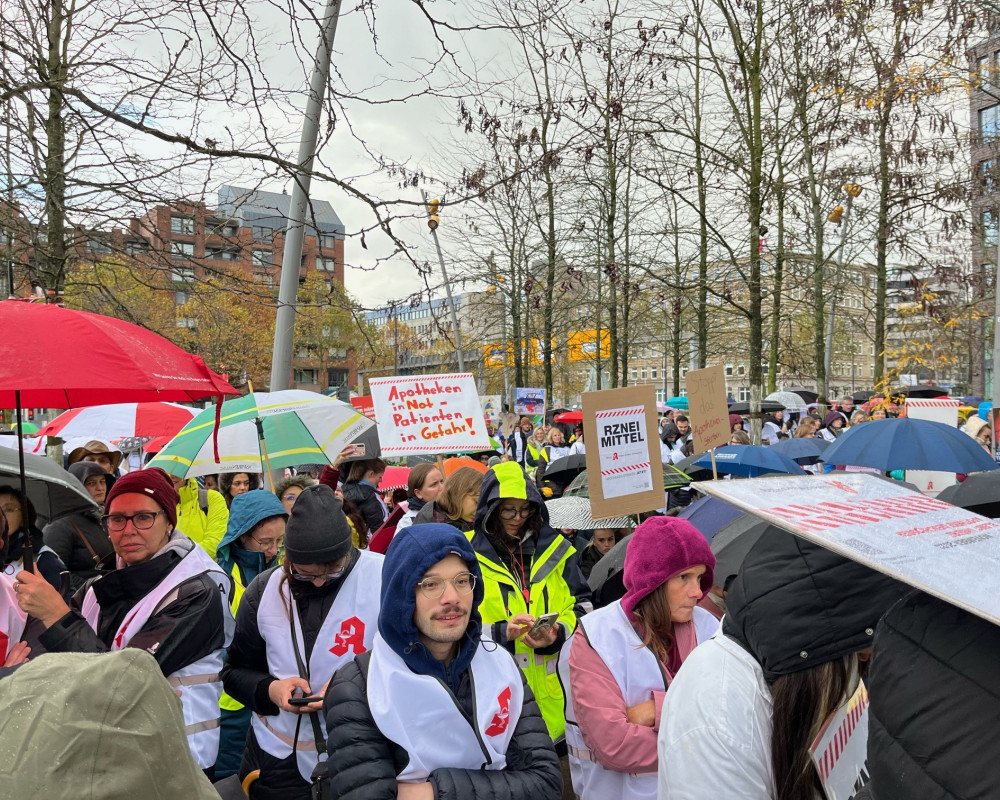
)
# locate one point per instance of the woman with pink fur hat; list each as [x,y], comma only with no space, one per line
[616,668]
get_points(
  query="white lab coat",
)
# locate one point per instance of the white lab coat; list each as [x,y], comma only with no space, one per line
[715,727]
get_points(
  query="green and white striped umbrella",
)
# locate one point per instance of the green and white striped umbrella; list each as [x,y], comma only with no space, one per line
[297,427]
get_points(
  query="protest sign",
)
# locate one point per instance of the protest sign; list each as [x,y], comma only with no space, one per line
[364,405]
[841,748]
[529,401]
[939,548]
[938,409]
[625,473]
[491,408]
[707,408]
[428,414]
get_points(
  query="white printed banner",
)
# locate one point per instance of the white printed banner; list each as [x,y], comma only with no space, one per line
[841,748]
[624,451]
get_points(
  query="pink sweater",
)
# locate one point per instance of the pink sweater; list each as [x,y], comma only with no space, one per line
[615,743]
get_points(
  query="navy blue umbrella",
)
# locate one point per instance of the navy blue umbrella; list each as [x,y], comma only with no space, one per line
[709,515]
[889,444]
[802,451]
[749,461]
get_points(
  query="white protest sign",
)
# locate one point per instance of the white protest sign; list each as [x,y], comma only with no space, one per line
[623,451]
[428,414]
[938,409]
[841,748]
[946,551]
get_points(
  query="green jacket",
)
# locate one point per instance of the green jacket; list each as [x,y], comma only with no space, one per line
[203,528]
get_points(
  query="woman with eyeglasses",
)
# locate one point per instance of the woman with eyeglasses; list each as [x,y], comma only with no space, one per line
[251,545]
[529,570]
[166,596]
[22,527]
[289,489]
[296,625]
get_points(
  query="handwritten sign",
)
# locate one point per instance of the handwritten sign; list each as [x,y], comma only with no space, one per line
[625,472]
[934,546]
[491,408]
[529,401]
[428,414]
[841,748]
[707,408]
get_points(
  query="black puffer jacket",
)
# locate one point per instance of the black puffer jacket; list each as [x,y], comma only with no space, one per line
[66,538]
[366,499]
[935,702]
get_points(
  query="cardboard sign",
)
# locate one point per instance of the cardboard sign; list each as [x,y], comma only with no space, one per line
[934,546]
[841,748]
[937,409]
[428,414]
[623,451]
[529,401]
[708,409]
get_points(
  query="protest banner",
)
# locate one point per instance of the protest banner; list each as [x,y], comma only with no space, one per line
[529,401]
[491,409]
[364,405]
[707,408]
[840,750]
[418,414]
[623,451]
[934,546]
[938,409]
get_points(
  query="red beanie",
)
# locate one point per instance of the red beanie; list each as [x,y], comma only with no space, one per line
[661,548]
[152,482]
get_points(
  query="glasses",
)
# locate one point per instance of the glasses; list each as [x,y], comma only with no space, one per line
[511,513]
[433,588]
[290,498]
[324,577]
[142,521]
[267,544]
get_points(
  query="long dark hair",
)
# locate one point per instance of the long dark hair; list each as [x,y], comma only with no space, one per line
[801,703]
[657,628]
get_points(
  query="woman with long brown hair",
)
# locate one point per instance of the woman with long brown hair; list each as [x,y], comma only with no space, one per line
[457,501]
[617,670]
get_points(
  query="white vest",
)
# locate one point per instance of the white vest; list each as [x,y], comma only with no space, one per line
[638,673]
[199,683]
[12,618]
[421,715]
[350,627]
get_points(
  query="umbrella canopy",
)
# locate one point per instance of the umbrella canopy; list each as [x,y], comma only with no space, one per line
[394,478]
[118,420]
[709,515]
[979,493]
[296,427]
[27,429]
[862,397]
[122,362]
[457,462]
[906,443]
[569,417]
[53,491]
[749,461]
[802,451]
[972,400]
[672,479]
[607,578]
[691,467]
[563,470]
[789,401]
[733,542]
[767,406]
[661,407]
[806,394]
[678,402]
[919,391]
[574,513]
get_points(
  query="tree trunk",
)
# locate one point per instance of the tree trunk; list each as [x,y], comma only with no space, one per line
[52,265]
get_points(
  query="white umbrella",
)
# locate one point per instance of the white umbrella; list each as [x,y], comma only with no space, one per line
[790,400]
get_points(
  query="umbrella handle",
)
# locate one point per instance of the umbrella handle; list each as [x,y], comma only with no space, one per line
[263,449]
[28,556]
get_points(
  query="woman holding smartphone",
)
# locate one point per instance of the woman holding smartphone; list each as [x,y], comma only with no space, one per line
[617,670]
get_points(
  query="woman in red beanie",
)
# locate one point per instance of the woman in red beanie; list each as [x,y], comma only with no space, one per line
[619,663]
[166,597]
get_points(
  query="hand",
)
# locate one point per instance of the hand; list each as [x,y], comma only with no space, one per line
[518,624]
[545,637]
[343,455]
[36,597]
[281,691]
[317,705]
[642,714]
[414,791]
[18,655]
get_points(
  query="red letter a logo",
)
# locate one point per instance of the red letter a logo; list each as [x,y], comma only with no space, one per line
[502,718]
[351,636]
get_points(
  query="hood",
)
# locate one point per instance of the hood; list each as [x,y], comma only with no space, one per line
[65,702]
[934,699]
[82,470]
[247,510]
[831,417]
[413,551]
[667,431]
[975,425]
[795,605]
[506,480]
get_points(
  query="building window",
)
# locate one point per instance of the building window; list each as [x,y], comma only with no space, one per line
[183,226]
[661,396]
[729,370]
[136,248]
[744,394]
[327,241]
[182,274]
[263,277]
[326,264]
[989,123]
[181,250]
[989,228]
[983,76]
[336,377]
[653,373]
[635,373]
[222,254]
[187,322]
[263,258]
[306,376]
[260,233]
[180,298]
[987,175]
[741,370]
[642,373]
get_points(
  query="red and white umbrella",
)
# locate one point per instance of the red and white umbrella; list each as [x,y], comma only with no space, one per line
[118,420]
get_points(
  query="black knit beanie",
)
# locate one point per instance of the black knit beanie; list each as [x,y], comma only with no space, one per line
[317,531]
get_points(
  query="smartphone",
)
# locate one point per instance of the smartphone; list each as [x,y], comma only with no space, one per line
[360,449]
[543,623]
[303,701]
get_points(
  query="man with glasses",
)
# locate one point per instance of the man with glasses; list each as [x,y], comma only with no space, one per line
[296,625]
[434,710]
[165,597]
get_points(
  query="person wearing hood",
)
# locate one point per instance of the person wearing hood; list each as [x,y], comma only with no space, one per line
[745,706]
[22,527]
[435,710]
[79,539]
[528,570]
[979,429]
[833,426]
[255,535]
[671,447]
[296,625]
[360,487]
[165,597]
[423,485]
[931,723]
[618,665]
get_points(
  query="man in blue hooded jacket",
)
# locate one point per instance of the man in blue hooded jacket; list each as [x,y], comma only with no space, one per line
[433,710]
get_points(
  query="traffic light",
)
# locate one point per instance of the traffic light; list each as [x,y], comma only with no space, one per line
[836,215]
[852,189]
[432,214]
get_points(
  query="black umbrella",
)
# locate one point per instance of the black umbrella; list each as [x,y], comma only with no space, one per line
[563,470]
[862,397]
[978,493]
[673,478]
[732,543]
[806,394]
[920,391]
[53,491]
[767,406]
[693,471]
